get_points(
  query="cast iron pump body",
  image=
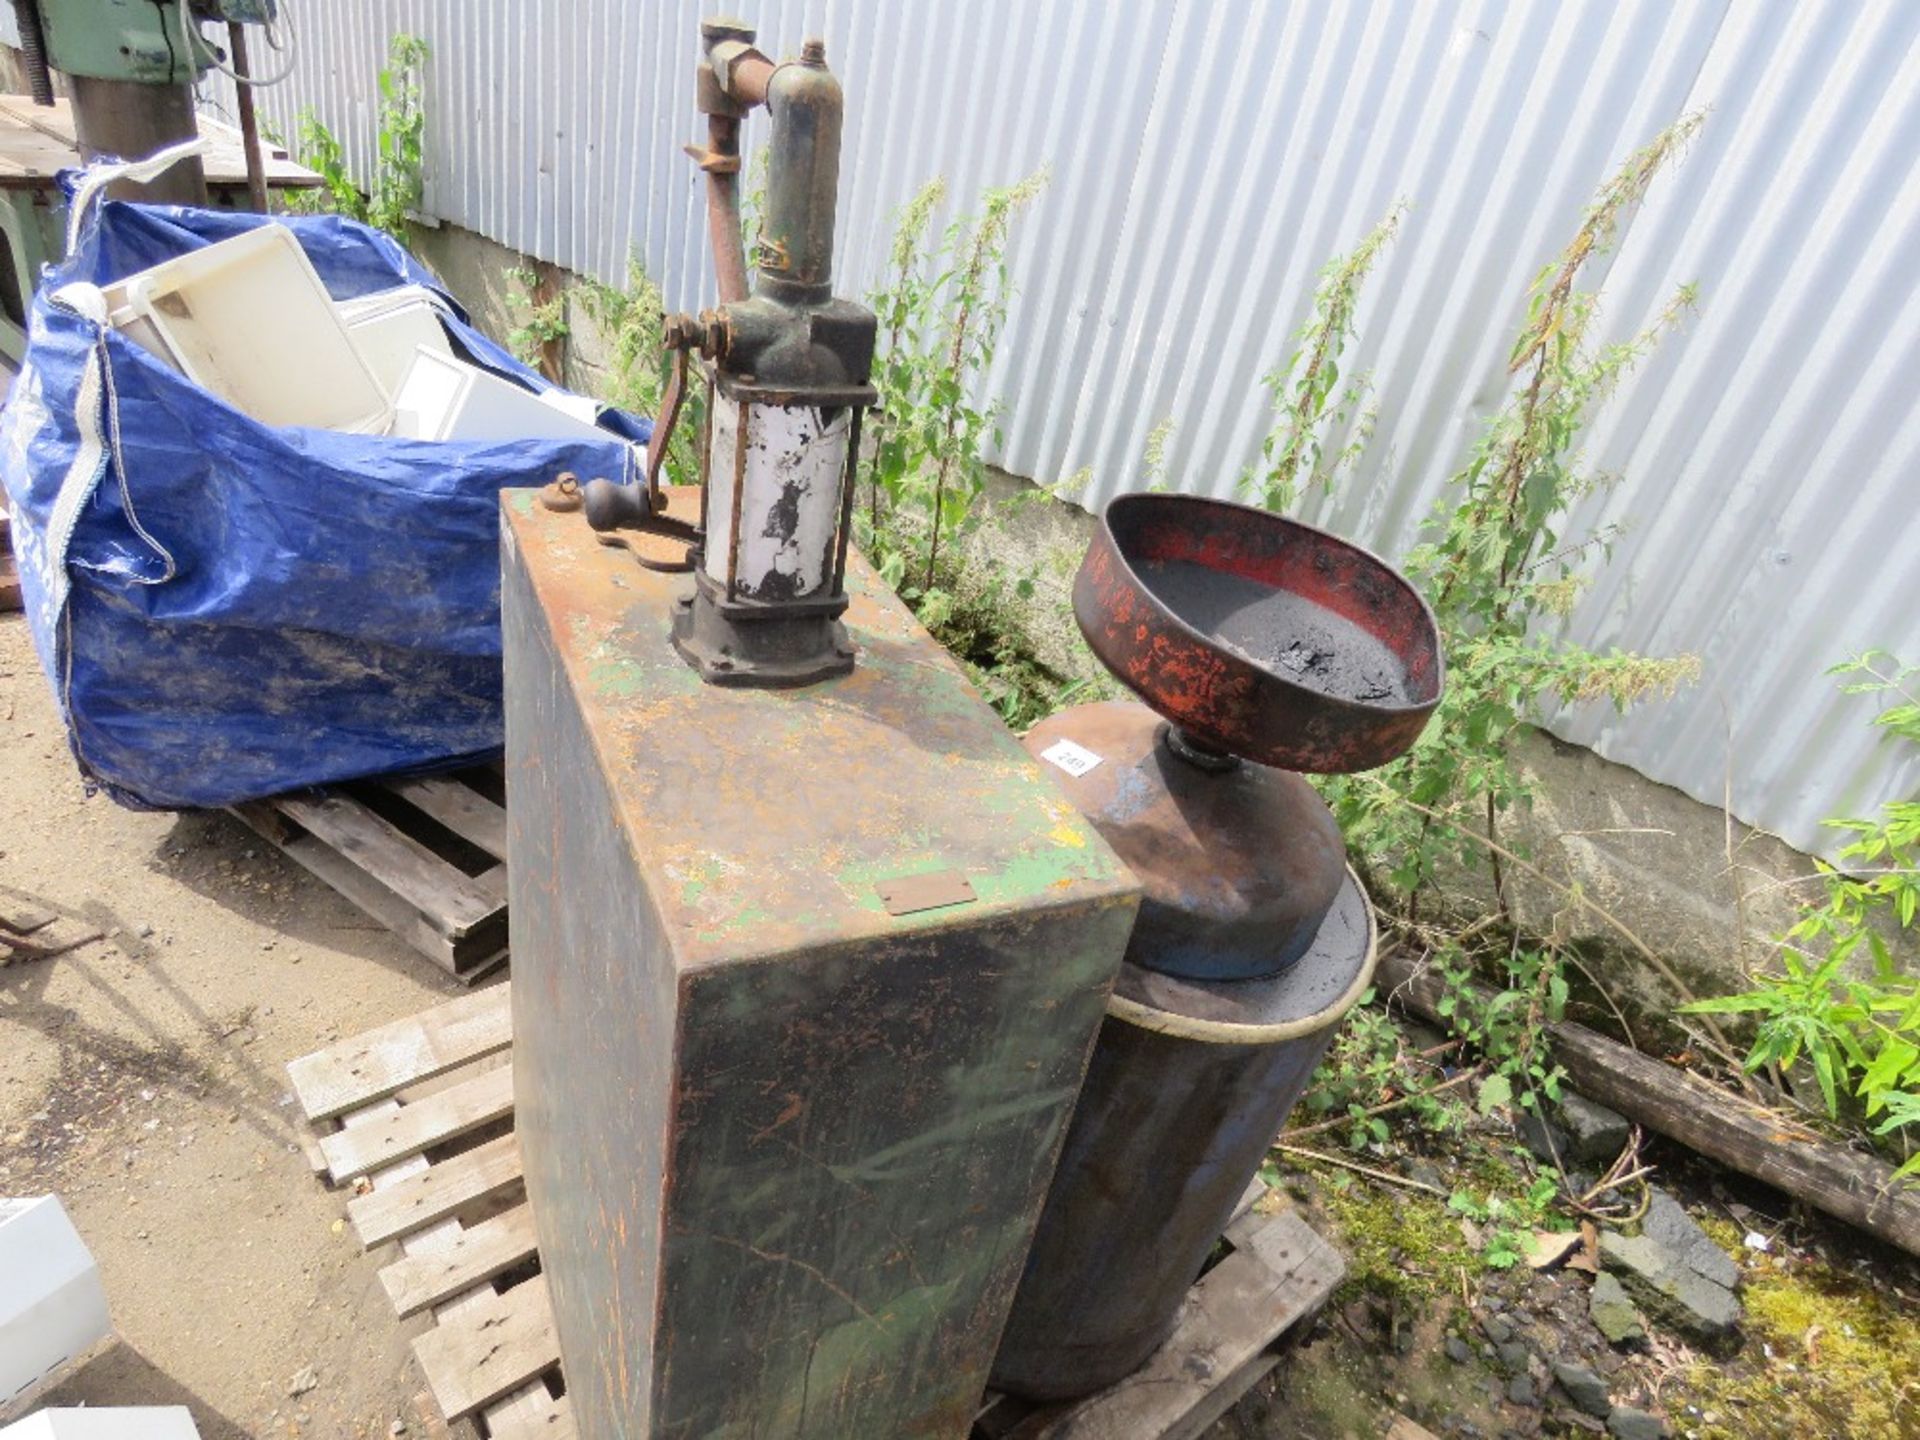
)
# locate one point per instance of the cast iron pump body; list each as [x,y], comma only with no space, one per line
[789,376]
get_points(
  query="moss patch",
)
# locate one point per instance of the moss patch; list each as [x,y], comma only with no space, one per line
[1399,1246]
[1846,1361]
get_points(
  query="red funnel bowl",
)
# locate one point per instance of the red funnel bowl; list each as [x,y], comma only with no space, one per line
[1258,636]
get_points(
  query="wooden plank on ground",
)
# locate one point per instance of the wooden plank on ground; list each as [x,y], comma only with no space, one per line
[475,1256]
[531,1415]
[447,898]
[461,808]
[1721,1125]
[501,1343]
[380,1062]
[409,1130]
[1222,1344]
[417,1201]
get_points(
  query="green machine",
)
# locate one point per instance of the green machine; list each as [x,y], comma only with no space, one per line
[129,67]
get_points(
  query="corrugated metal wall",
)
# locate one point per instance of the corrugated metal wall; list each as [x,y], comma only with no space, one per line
[1206,159]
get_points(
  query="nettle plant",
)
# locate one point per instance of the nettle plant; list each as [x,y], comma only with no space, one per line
[1492,565]
[1838,1000]
[941,311]
[1312,400]
[632,319]
[398,184]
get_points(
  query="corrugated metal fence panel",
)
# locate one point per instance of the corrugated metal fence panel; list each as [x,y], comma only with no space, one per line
[1206,160]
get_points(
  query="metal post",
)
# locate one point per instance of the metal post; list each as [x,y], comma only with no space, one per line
[131,119]
[249,122]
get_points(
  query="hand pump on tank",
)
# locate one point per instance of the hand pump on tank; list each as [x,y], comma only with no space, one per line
[788,372]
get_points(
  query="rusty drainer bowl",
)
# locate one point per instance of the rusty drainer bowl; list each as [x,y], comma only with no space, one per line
[1258,636]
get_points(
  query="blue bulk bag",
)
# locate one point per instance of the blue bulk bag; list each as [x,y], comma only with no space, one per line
[228,610]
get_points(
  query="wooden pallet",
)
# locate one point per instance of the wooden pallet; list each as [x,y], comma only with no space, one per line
[417,1116]
[425,856]
[1239,1319]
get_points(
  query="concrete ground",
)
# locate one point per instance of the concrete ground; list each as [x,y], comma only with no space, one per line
[142,1080]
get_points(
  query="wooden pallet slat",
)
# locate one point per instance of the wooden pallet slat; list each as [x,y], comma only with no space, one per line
[1222,1344]
[504,1342]
[417,1201]
[530,1414]
[432,886]
[492,1358]
[454,1112]
[461,808]
[371,1066]
[476,1255]
[388,859]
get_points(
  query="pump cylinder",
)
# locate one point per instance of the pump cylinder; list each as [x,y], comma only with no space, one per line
[803,176]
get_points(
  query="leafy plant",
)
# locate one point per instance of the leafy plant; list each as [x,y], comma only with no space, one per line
[394,192]
[1860,1033]
[540,325]
[940,310]
[1370,1072]
[1508,1026]
[1491,565]
[631,318]
[1309,398]
[1508,1218]
[940,316]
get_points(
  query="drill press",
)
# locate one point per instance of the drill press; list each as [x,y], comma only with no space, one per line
[131,66]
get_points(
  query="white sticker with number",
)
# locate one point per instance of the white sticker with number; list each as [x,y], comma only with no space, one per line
[1076,760]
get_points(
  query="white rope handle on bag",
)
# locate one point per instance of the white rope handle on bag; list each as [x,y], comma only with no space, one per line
[98,177]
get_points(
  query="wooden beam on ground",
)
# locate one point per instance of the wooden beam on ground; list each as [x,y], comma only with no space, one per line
[1846,1184]
[476,1255]
[1222,1344]
[437,1193]
[500,1344]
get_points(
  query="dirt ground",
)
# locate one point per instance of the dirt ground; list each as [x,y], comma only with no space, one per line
[142,1080]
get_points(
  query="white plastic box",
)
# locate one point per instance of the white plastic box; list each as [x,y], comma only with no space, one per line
[249,320]
[388,326]
[53,1308]
[443,398]
[141,1422]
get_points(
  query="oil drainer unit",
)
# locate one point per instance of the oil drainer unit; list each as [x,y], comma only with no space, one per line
[1260,647]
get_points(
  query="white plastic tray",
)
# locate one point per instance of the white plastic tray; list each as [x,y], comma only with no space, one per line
[386,335]
[443,398]
[142,1422]
[249,320]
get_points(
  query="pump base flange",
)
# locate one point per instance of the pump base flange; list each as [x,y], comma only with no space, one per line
[769,646]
